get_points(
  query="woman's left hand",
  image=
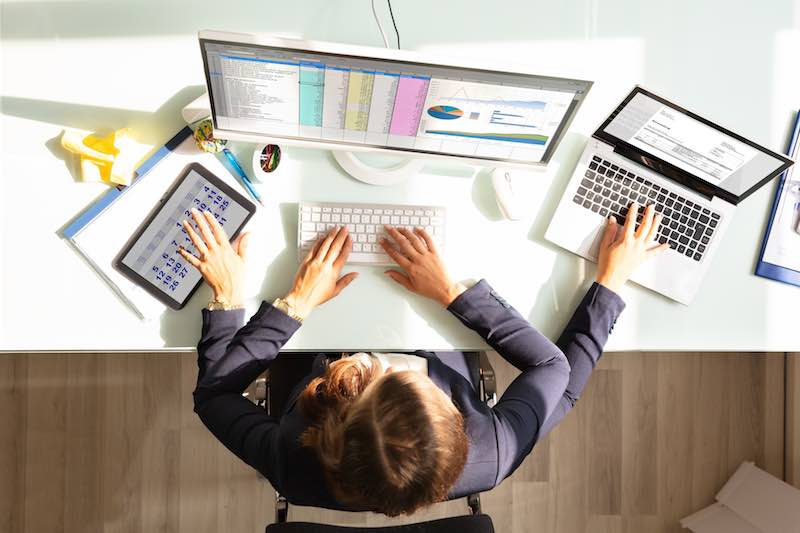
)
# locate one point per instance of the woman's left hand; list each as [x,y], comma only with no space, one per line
[425,273]
[221,263]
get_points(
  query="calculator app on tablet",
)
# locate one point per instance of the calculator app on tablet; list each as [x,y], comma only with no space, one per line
[154,255]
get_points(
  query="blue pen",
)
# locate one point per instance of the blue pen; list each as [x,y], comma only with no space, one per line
[245,180]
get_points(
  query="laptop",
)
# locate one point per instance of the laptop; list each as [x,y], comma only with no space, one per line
[652,151]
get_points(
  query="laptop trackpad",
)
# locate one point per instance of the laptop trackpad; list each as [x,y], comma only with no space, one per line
[591,244]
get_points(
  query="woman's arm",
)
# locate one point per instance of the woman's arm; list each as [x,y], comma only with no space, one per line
[587,331]
[230,357]
[535,393]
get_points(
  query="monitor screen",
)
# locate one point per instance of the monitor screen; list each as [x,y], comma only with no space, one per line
[696,146]
[383,103]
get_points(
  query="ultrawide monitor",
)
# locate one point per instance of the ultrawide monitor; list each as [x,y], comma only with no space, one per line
[353,98]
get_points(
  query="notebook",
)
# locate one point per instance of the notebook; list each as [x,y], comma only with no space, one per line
[100,232]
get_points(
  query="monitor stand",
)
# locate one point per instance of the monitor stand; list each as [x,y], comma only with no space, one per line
[373,175]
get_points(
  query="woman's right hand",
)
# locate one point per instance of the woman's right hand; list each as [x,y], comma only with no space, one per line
[621,254]
[317,279]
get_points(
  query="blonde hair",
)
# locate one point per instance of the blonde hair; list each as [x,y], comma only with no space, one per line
[388,442]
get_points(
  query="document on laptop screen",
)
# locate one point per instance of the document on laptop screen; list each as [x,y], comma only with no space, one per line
[692,145]
[699,148]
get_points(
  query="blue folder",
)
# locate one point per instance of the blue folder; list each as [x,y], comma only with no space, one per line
[769,270]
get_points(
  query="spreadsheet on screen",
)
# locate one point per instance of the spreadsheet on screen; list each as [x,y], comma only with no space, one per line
[388,104]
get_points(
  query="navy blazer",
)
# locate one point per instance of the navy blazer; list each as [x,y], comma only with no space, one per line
[552,377]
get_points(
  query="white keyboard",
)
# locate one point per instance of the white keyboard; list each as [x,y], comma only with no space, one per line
[365,223]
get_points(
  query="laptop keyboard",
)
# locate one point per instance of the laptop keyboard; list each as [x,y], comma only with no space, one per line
[607,189]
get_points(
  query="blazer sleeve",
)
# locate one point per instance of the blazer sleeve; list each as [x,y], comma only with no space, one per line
[582,342]
[229,359]
[532,397]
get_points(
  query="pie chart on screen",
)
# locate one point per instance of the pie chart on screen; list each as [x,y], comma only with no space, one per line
[445,112]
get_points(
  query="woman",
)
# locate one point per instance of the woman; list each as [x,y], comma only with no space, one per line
[386,432]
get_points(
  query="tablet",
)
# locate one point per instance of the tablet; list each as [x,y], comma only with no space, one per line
[151,259]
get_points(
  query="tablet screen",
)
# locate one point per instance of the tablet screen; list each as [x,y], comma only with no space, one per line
[153,255]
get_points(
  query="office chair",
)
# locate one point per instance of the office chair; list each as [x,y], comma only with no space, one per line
[272,392]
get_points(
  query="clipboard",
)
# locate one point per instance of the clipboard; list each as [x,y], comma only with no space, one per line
[779,258]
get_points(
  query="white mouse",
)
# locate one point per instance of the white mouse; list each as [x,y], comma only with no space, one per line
[504,193]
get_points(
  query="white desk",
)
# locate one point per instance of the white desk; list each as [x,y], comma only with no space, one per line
[739,69]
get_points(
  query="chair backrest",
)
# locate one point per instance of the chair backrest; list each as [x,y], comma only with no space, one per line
[479,523]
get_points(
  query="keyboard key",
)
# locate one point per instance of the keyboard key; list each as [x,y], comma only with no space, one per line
[586,183]
[697,257]
[593,165]
[713,222]
[699,230]
[703,218]
[596,159]
[715,216]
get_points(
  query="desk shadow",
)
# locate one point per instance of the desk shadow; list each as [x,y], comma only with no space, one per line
[438,318]
[147,127]
[568,156]
[565,287]
[280,272]
[559,296]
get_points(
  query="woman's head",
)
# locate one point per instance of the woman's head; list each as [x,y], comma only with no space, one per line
[390,442]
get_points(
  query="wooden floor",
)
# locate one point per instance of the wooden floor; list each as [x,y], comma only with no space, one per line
[108,443]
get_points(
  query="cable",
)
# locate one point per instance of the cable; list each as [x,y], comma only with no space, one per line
[383,33]
[393,23]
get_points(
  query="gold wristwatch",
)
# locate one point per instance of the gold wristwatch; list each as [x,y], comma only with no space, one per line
[221,304]
[283,306]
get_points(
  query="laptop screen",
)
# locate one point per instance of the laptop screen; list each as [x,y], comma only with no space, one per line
[693,145]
